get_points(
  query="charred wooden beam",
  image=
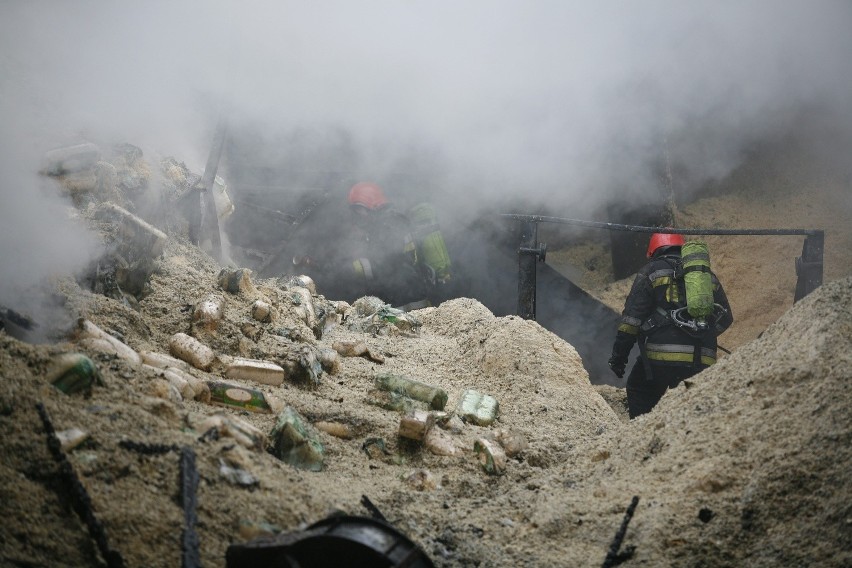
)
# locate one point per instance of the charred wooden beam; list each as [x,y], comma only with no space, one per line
[613,557]
[81,501]
[189,501]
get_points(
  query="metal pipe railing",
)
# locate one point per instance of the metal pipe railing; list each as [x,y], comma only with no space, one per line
[668,230]
[809,266]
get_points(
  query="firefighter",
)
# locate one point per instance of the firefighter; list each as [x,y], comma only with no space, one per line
[669,349]
[383,252]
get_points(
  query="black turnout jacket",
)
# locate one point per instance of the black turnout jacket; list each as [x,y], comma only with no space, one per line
[655,293]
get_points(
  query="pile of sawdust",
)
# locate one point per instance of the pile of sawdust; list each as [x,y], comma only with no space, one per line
[746,464]
[544,395]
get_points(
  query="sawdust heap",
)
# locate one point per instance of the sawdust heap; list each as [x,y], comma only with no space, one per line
[758,446]
[746,464]
[538,379]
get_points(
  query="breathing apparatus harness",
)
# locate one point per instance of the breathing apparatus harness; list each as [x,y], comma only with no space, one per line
[692,268]
[691,321]
[697,326]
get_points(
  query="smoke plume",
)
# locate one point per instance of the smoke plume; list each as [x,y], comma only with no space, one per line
[569,104]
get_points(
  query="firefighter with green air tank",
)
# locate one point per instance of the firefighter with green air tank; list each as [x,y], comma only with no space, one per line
[401,258]
[675,310]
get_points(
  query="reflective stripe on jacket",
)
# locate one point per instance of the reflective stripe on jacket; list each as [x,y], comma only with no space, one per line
[656,290]
[674,352]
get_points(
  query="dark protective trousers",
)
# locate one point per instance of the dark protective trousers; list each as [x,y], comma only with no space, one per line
[643,394]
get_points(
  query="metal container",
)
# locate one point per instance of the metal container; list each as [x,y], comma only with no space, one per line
[295,443]
[435,397]
[354,542]
[478,408]
[235,396]
[73,372]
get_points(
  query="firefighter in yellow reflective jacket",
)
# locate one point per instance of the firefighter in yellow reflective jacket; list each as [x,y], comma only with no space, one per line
[669,350]
[382,249]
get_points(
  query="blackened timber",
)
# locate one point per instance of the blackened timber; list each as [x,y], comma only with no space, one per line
[148,449]
[81,501]
[189,501]
[17,325]
[613,558]
[374,511]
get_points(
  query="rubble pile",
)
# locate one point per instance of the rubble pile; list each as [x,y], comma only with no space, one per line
[746,464]
[479,437]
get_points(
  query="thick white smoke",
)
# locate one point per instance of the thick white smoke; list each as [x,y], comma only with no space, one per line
[568,101]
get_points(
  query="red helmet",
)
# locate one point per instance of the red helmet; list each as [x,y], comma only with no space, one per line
[663,240]
[367,195]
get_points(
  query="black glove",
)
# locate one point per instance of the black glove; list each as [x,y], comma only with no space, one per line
[617,364]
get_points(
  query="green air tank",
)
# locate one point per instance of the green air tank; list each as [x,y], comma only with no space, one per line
[430,241]
[698,280]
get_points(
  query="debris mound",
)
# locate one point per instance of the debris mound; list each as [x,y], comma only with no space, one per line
[748,462]
[478,437]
